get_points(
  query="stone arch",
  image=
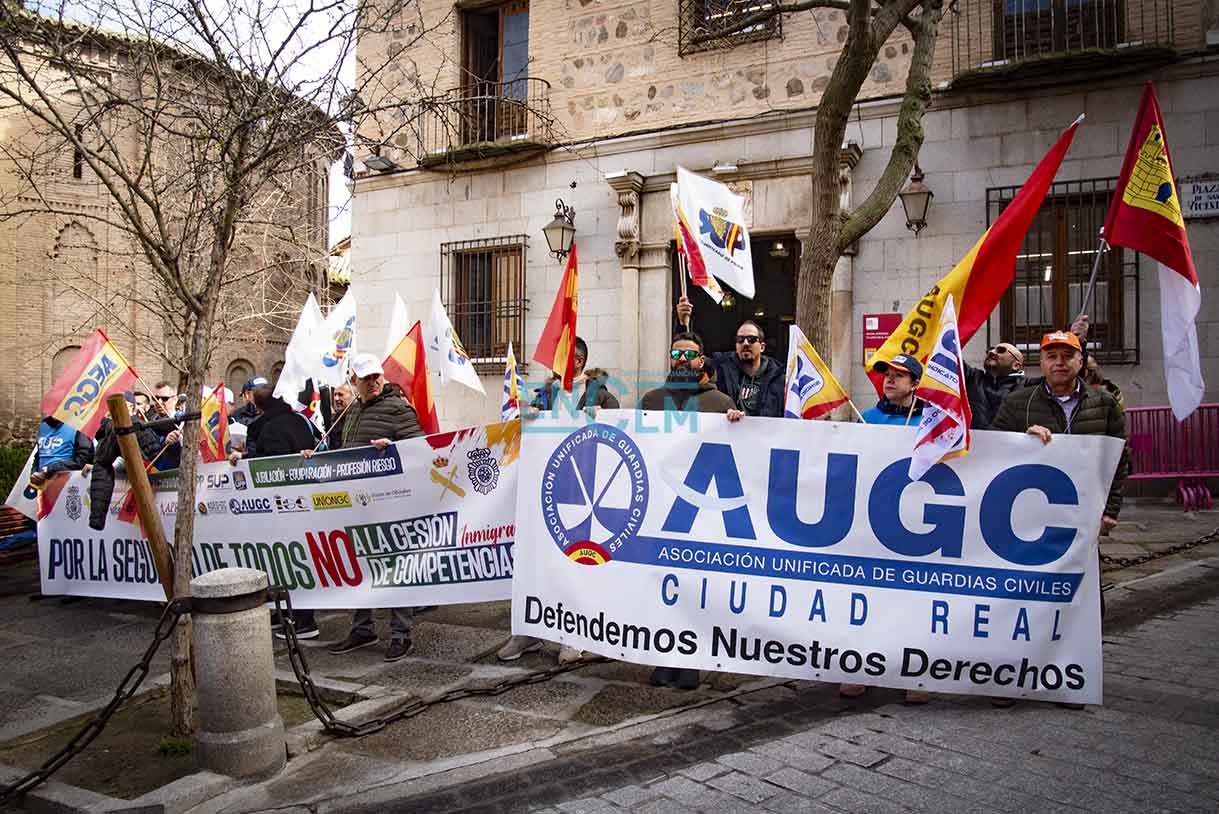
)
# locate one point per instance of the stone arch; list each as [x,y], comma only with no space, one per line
[238,373]
[61,360]
[77,285]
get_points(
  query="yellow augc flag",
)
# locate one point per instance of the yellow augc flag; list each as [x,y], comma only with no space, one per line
[979,280]
[812,390]
[78,397]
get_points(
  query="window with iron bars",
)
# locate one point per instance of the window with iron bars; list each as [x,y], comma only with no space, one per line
[482,284]
[1052,271]
[703,24]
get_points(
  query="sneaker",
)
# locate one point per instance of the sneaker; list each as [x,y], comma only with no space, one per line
[570,655]
[685,679]
[518,646]
[302,632]
[662,676]
[1002,703]
[914,697]
[1068,705]
[398,648]
[354,641]
[851,690]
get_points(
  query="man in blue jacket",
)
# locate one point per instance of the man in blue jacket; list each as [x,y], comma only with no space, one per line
[755,382]
[901,374]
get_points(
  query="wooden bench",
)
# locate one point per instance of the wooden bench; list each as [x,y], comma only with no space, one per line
[1161,447]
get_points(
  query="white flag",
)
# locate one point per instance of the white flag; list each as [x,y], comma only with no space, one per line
[943,431]
[23,497]
[299,355]
[717,219]
[334,343]
[444,351]
[399,324]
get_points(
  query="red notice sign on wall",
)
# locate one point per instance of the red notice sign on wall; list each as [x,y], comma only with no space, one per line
[876,329]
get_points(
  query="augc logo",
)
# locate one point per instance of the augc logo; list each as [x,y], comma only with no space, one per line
[250,505]
[332,500]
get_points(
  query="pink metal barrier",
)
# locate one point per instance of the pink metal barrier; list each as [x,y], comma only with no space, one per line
[1162,447]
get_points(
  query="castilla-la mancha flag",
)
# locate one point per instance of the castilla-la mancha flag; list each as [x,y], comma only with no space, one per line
[556,348]
[1146,216]
[78,397]
[407,368]
[979,280]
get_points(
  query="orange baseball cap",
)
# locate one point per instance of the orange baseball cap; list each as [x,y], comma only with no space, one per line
[1060,338]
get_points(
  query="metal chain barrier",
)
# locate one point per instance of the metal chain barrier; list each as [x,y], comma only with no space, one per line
[126,688]
[296,656]
[1126,562]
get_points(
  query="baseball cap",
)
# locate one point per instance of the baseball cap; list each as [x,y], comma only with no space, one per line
[1060,338]
[902,362]
[365,364]
[252,382]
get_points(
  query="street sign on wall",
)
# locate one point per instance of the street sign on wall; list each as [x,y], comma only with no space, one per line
[876,329]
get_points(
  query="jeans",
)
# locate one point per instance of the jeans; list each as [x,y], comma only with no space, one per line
[400,622]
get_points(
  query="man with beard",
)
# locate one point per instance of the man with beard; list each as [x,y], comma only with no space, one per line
[687,388]
[755,382]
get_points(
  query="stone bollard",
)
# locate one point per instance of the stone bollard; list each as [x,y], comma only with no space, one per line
[240,732]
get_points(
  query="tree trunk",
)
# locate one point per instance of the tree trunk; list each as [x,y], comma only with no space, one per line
[819,255]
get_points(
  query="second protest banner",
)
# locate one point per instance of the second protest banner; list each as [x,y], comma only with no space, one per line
[803,550]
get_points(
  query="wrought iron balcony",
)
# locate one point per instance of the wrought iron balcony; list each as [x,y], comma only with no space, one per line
[1005,41]
[485,119]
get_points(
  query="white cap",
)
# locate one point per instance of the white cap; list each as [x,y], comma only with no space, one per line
[365,364]
[238,430]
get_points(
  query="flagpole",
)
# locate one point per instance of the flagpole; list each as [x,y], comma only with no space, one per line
[859,415]
[683,271]
[909,415]
[337,420]
[1101,248]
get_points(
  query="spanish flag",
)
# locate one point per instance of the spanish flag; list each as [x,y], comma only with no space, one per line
[407,368]
[979,280]
[214,427]
[556,348]
[812,390]
[1146,216]
[78,397]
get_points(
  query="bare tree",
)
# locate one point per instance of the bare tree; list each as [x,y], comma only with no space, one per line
[198,122]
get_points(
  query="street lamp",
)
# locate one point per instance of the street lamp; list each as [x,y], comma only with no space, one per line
[916,198]
[379,163]
[561,231]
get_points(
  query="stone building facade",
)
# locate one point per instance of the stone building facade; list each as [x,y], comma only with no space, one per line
[65,270]
[610,97]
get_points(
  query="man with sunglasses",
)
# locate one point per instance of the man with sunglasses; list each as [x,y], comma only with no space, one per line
[754,381]
[165,405]
[687,381]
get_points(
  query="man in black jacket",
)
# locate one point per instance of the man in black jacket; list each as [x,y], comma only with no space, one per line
[248,412]
[1001,373]
[106,455]
[755,382]
[379,417]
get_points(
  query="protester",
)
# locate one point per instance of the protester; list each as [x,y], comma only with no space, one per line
[248,412]
[688,380]
[901,374]
[1001,373]
[594,394]
[1064,403]
[107,458]
[142,405]
[379,417]
[755,382]
[1096,378]
[165,403]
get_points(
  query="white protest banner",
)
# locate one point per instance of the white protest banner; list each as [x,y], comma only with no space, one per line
[427,521]
[801,549]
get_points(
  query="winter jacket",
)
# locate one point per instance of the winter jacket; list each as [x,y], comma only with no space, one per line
[1097,413]
[885,412]
[101,483]
[247,415]
[50,432]
[386,416]
[547,397]
[279,431]
[707,399]
[729,377]
[986,393]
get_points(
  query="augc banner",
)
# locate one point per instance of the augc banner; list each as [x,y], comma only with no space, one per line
[801,549]
[427,521]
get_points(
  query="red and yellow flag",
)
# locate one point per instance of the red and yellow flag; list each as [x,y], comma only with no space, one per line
[78,397]
[979,280]
[556,348]
[214,427]
[406,367]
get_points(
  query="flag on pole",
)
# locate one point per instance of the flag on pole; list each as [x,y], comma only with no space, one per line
[407,368]
[812,390]
[719,234]
[399,324]
[511,408]
[688,248]
[556,348]
[334,343]
[1146,216]
[299,357]
[444,351]
[23,496]
[78,396]
[943,432]
[214,427]
[979,280]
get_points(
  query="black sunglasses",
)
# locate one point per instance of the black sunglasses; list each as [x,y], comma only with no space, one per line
[747,339]
[164,398]
[690,355]
[997,349]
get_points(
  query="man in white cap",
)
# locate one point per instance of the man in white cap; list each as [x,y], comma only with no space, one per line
[379,417]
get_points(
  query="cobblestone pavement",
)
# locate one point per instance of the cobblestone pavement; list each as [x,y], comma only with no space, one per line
[1153,746]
